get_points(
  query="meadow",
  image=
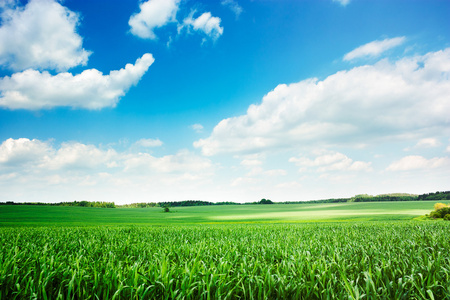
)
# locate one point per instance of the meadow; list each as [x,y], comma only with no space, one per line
[361,251]
[27,215]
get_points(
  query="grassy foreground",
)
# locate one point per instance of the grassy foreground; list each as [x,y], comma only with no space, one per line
[368,260]
[25,215]
[306,251]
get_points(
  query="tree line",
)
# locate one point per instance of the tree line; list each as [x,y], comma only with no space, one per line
[99,204]
[444,195]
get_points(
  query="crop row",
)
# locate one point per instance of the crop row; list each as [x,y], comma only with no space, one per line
[297,261]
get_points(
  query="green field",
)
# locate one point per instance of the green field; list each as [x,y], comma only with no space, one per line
[305,251]
[19,215]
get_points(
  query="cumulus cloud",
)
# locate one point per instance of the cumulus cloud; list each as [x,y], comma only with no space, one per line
[153,14]
[375,48]
[234,6]
[39,155]
[20,151]
[205,23]
[405,99]
[91,89]
[331,161]
[41,35]
[79,156]
[416,162]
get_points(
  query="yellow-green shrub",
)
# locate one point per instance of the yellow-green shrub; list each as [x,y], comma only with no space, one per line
[438,206]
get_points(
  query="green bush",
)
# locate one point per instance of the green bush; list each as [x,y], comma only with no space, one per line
[443,211]
[447,217]
[440,213]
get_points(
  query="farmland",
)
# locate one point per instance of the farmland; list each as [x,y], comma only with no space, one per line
[340,251]
[276,213]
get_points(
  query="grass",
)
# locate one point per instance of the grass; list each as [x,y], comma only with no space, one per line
[304,251]
[368,260]
[276,213]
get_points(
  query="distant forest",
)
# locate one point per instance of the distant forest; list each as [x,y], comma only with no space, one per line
[437,196]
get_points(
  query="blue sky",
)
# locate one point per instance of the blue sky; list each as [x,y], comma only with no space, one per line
[231,100]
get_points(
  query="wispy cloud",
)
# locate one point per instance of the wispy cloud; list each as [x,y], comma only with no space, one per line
[149,143]
[234,6]
[415,162]
[342,2]
[331,161]
[428,143]
[375,48]
[197,127]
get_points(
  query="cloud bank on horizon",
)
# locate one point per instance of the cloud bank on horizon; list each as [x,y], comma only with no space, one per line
[376,122]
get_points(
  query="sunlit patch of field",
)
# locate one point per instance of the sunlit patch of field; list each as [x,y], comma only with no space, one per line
[318,215]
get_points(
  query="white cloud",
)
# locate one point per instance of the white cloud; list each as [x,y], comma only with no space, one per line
[234,6]
[79,156]
[428,143]
[153,14]
[41,35]
[366,104]
[148,143]
[205,23]
[331,161]
[416,162]
[197,127]
[91,89]
[24,156]
[20,151]
[183,161]
[375,48]
[342,2]
[447,149]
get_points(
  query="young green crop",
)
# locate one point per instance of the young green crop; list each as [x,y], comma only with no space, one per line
[300,261]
